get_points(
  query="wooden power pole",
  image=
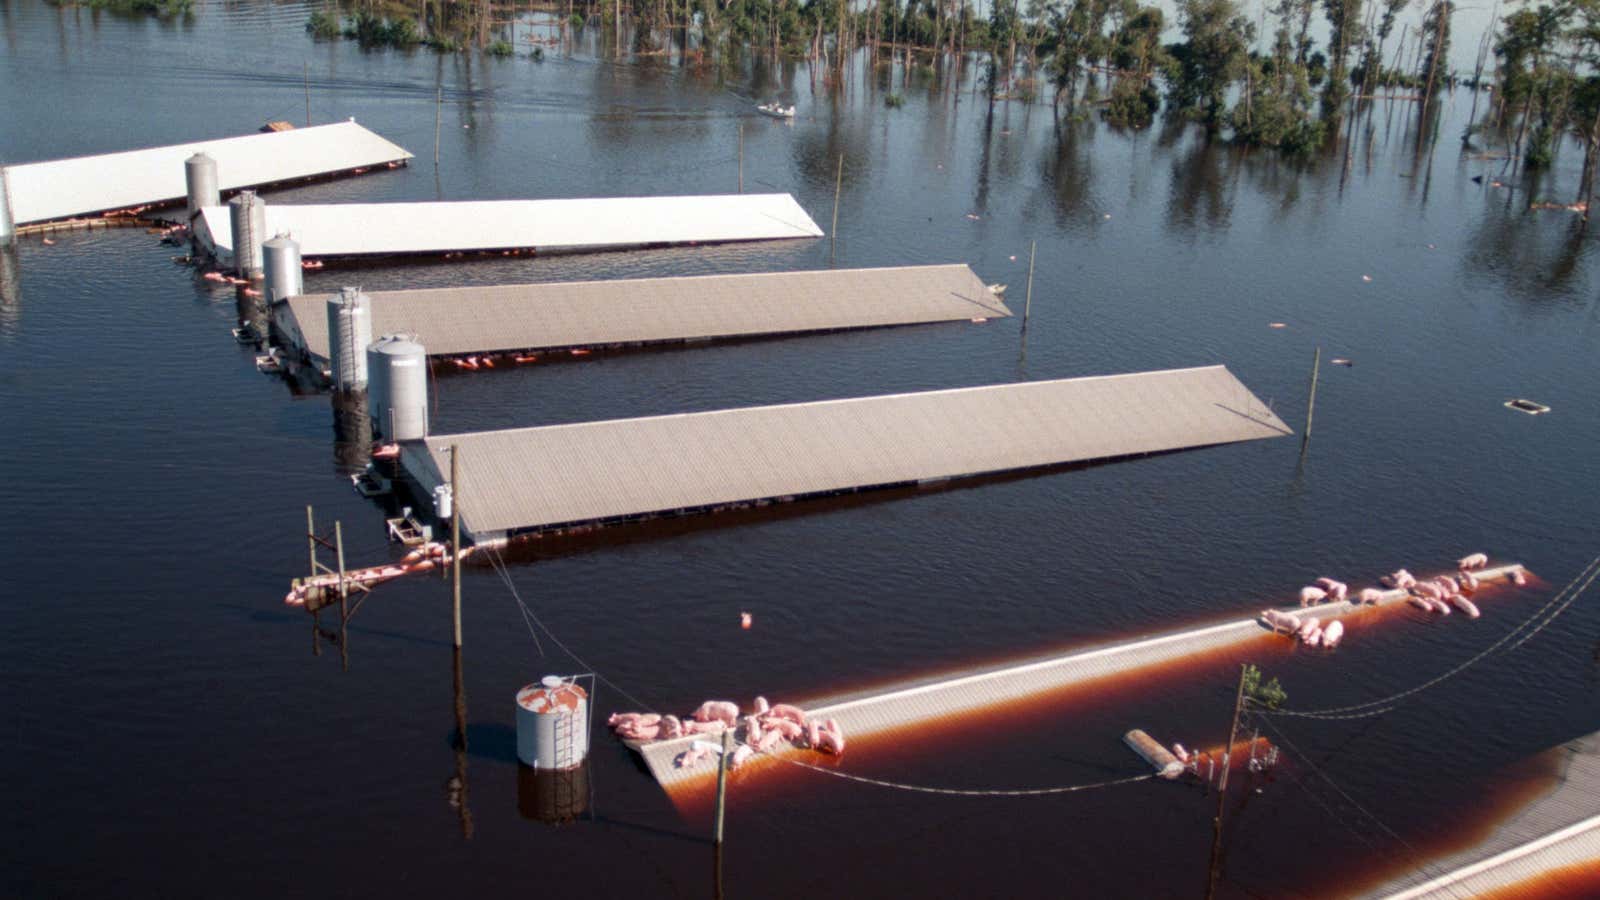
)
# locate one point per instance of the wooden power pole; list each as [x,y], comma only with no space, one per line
[1222,791]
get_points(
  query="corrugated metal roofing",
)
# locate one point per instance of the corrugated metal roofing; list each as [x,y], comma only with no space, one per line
[475,320]
[60,188]
[534,478]
[1554,832]
[363,229]
[990,689]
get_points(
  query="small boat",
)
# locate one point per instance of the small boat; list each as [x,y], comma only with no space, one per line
[370,484]
[246,334]
[776,110]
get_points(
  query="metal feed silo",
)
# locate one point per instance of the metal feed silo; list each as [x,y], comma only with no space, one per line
[398,390]
[280,263]
[200,178]
[553,724]
[349,335]
[247,216]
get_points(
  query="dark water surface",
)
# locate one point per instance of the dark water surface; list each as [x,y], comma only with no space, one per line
[172,733]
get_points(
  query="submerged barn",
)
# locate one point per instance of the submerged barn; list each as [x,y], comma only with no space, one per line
[527,319]
[530,480]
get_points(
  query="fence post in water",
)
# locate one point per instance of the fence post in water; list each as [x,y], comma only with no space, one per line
[1311,404]
[308,95]
[838,184]
[722,786]
[1222,791]
[344,595]
[311,551]
[741,157]
[1027,303]
[438,113]
[455,538]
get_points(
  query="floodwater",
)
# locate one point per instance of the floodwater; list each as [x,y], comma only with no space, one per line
[173,734]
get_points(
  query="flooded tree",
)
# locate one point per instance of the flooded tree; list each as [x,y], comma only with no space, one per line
[1206,65]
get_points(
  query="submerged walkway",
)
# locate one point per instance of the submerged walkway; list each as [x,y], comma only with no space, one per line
[926,701]
[555,477]
[1557,831]
[532,318]
[85,185]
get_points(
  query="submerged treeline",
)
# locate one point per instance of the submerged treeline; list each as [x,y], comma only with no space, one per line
[1282,76]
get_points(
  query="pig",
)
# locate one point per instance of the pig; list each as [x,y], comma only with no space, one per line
[1370,595]
[762,706]
[1333,634]
[1466,606]
[727,712]
[785,711]
[1336,590]
[740,756]
[1472,561]
[1312,595]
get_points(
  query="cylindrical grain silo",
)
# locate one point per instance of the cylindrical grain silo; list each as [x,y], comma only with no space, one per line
[247,215]
[8,228]
[280,263]
[443,502]
[553,724]
[552,797]
[200,177]
[398,370]
[349,336]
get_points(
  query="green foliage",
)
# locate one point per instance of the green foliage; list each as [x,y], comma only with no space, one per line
[372,30]
[1269,694]
[537,55]
[324,25]
[1132,104]
[1206,65]
[161,9]
[576,21]
[893,101]
[500,49]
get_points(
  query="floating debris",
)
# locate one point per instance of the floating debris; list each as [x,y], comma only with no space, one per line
[1277,325]
[745,620]
[1527,406]
[1341,361]
[1366,278]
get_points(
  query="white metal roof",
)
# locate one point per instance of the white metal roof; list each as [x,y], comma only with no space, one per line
[533,478]
[60,188]
[357,229]
[476,320]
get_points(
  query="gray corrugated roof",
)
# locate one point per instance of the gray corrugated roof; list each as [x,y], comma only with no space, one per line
[69,187]
[533,478]
[474,320]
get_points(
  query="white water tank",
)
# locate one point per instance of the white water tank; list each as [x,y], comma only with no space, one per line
[442,502]
[280,263]
[397,371]
[200,178]
[349,336]
[553,724]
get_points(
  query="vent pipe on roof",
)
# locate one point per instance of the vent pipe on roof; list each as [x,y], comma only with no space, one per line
[247,214]
[200,177]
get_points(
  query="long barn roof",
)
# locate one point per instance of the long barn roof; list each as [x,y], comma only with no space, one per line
[540,478]
[475,320]
[60,188]
[369,229]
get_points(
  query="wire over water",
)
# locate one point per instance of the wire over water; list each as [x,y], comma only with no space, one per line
[966,792]
[1563,599]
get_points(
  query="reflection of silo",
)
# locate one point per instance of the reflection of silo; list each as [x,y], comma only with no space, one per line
[253,312]
[352,430]
[200,177]
[349,334]
[247,216]
[552,797]
[10,290]
[398,370]
[552,724]
[280,264]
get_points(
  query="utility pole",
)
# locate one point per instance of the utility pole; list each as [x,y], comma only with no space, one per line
[1027,303]
[455,538]
[1222,791]
[1311,404]
[722,786]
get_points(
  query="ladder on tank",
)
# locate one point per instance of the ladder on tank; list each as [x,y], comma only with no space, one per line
[566,749]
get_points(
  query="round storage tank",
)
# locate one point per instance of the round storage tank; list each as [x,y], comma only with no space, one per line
[247,216]
[280,263]
[398,390]
[551,797]
[200,177]
[553,724]
[349,335]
